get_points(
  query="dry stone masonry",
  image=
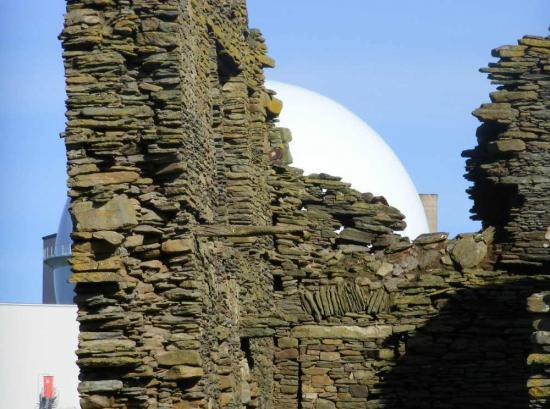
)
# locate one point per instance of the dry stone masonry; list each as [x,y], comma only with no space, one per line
[509,167]
[211,274]
[539,385]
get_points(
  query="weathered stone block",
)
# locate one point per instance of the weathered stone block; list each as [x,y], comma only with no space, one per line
[100,386]
[356,236]
[430,238]
[117,213]
[110,237]
[359,391]
[109,362]
[291,353]
[468,253]
[506,146]
[509,51]
[535,41]
[385,269]
[177,246]
[540,392]
[173,358]
[321,380]
[538,359]
[182,372]
[508,96]
[96,277]
[95,402]
[104,178]
[324,404]
[287,342]
[541,337]
[498,112]
[329,356]
[539,303]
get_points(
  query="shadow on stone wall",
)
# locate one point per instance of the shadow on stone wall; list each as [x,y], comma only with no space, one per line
[473,354]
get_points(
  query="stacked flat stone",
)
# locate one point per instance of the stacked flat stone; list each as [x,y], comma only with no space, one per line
[211,274]
[166,122]
[429,321]
[539,360]
[510,167]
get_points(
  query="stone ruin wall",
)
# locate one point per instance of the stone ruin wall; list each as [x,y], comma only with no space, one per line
[509,167]
[167,125]
[210,274]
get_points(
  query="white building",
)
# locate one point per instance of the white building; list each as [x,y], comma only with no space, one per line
[38,341]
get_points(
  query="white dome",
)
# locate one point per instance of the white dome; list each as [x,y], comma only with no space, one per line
[329,138]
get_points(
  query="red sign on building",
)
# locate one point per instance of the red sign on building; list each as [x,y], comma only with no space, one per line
[47,385]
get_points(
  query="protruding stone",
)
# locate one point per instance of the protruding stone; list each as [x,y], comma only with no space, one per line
[509,51]
[468,253]
[275,106]
[506,146]
[108,362]
[356,236]
[535,41]
[96,277]
[499,112]
[100,386]
[104,178]
[117,213]
[430,238]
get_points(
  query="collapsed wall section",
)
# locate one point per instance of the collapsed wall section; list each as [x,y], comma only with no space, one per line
[510,166]
[365,318]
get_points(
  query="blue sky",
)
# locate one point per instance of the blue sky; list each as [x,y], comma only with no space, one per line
[408,68]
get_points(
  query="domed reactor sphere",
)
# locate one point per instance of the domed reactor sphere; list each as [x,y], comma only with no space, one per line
[328,138]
